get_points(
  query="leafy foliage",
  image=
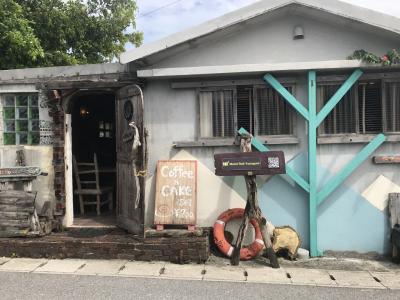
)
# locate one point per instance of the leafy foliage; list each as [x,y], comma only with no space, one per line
[19,46]
[392,57]
[69,32]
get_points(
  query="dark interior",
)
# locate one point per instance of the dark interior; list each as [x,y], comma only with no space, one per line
[93,131]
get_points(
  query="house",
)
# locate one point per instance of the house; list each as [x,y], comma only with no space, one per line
[199,87]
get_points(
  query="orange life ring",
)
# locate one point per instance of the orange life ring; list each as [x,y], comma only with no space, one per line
[219,237]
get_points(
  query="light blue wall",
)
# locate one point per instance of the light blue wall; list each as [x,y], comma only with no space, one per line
[346,221]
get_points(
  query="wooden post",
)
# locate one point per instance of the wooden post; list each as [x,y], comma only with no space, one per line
[252,211]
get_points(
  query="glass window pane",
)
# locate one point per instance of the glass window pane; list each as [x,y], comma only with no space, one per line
[33,100]
[34,125]
[9,101]
[9,113]
[22,138]
[34,113]
[34,138]
[101,134]
[9,139]
[22,125]
[22,100]
[22,113]
[9,126]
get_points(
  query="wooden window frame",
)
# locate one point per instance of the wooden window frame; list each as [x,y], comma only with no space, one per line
[231,141]
[198,119]
[357,136]
[284,138]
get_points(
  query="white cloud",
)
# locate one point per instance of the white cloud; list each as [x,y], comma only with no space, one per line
[172,16]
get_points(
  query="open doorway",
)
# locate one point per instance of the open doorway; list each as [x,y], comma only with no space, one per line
[94,152]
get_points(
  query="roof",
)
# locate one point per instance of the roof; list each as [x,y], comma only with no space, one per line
[62,71]
[334,7]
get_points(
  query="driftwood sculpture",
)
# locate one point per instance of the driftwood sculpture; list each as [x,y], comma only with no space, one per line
[252,210]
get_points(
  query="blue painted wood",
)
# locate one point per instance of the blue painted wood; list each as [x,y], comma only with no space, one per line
[314,120]
[312,160]
[289,171]
[332,184]
[338,96]
[285,94]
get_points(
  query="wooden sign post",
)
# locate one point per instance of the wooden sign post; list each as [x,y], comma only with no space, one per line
[176,193]
[251,164]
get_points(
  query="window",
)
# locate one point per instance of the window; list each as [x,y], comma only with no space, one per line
[273,113]
[258,109]
[216,112]
[20,119]
[392,106]
[368,108]
[105,129]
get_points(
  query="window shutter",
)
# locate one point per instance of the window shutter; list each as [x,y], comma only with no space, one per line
[392,106]
[273,113]
[370,107]
[342,119]
[245,108]
[216,113]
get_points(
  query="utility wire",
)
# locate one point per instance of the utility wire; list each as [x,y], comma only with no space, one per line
[158,9]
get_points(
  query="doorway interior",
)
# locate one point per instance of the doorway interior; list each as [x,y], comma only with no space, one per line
[93,133]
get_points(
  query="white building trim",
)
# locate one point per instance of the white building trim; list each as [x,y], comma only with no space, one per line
[252,68]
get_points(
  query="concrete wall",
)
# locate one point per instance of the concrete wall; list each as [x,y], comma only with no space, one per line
[270,40]
[37,155]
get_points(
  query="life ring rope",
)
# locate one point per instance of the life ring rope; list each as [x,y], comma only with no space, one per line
[226,248]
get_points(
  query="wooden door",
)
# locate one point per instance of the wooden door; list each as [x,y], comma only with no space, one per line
[130,159]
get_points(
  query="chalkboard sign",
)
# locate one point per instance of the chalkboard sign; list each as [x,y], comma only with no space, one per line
[176,192]
[250,163]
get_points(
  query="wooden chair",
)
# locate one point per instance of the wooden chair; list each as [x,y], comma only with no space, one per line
[88,184]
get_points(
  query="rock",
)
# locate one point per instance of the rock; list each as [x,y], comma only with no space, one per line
[303,253]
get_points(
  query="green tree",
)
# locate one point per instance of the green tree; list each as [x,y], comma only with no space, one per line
[19,47]
[79,32]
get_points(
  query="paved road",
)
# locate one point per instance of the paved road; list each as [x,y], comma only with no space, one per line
[42,286]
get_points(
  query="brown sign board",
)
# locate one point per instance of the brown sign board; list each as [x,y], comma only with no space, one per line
[176,193]
[249,163]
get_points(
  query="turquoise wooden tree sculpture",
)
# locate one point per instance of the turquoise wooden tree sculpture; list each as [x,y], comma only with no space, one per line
[314,119]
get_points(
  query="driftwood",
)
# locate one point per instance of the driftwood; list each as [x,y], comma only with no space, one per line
[252,211]
[286,239]
[17,214]
[394,212]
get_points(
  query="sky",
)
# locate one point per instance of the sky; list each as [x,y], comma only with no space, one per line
[160,18]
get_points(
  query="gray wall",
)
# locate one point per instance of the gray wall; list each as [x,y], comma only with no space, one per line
[269,41]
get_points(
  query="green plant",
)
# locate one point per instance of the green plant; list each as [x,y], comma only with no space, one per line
[392,57]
